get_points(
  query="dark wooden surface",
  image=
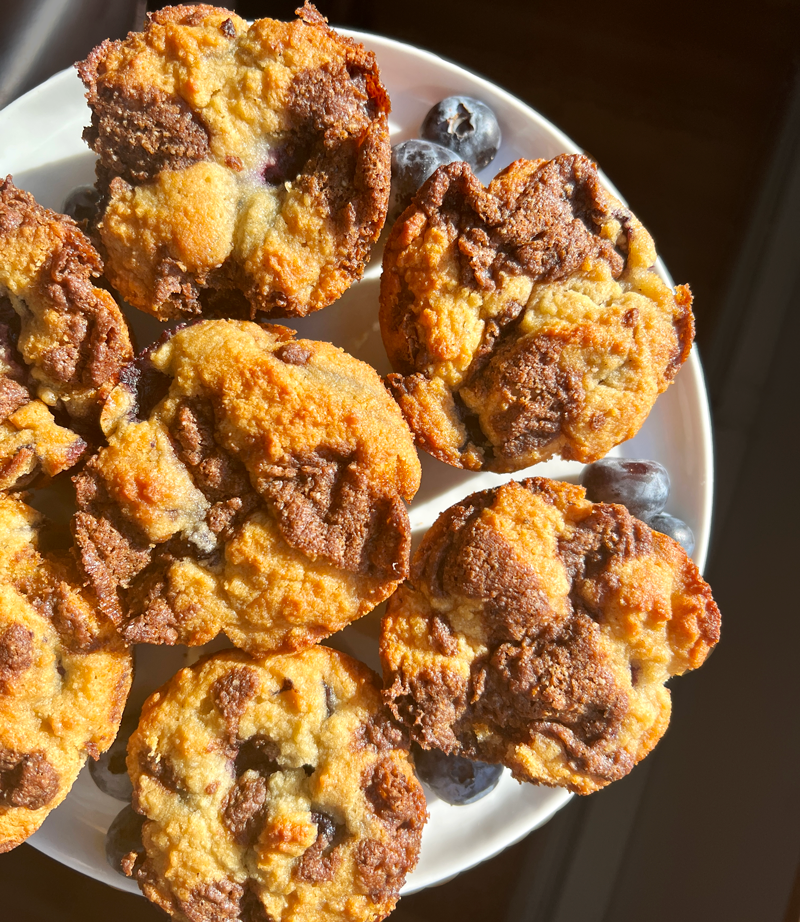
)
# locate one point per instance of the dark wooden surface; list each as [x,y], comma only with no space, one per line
[685,106]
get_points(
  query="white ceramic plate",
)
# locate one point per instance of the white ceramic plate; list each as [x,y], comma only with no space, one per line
[40,144]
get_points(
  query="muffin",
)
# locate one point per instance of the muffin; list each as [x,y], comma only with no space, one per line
[274,790]
[524,319]
[252,484]
[64,676]
[243,170]
[538,629]
[31,441]
[62,339]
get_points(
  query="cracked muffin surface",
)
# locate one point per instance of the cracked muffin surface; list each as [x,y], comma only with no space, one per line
[276,789]
[537,629]
[244,169]
[64,676]
[252,484]
[523,319]
[63,341]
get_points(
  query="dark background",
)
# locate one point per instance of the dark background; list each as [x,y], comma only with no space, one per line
[693,111]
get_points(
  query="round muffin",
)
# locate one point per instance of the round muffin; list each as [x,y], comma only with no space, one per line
[538,630]
[62,340]
[243,169]
[524,319]
[274,790]
[252,484]
[64,676]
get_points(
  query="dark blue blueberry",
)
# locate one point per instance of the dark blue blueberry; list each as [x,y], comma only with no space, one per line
[123,837]
[82,203]
[412,163]
[455,779]
[674,528]
[330,700]
[257,753]
[466,126]
[328,830]
[642,486]
[109,772]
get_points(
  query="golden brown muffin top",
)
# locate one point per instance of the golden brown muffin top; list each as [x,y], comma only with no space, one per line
[71,334]
[252,483]
[62,340]
[537,629]
[243,169]
[524,319]
[274,790]
[64,676]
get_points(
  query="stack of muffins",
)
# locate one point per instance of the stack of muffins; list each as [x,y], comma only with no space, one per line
[233,478]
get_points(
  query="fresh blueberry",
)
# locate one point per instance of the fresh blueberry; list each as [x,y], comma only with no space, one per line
[467,126]
[82,203]
[412,163]
[123,837]
[455,779]
[642,486]
[674,528]
[109,772]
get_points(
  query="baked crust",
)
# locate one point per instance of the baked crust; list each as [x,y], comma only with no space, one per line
[252,483]
[538,629]
[523,319]
[64,676]
[244,169]
[63,341]
[274,790]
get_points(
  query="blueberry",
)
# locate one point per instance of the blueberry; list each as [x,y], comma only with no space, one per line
[674,528]
[642,486]
[123,837]
[465,125]
[82,203]
[455,779]
[109,772]
[412,163]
